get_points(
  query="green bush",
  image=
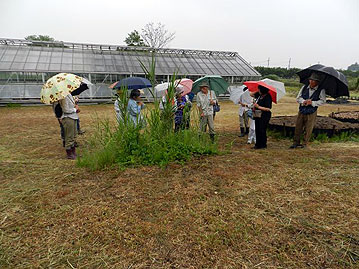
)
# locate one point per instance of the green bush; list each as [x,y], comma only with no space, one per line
[12,105]
[128,145]
[353,84]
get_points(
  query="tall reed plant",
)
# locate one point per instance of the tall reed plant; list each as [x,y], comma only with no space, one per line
[155,143]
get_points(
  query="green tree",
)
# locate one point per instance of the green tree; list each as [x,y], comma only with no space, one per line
[40,38]
[279,71]
[134,39]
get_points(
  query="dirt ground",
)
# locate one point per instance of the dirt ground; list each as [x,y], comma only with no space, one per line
[273,208]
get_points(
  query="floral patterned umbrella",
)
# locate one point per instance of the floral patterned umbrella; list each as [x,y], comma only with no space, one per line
[59,86]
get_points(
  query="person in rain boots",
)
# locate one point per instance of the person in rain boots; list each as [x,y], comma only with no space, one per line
[252,124]
[70,115]
[310,97]
[205,101]
[245,101]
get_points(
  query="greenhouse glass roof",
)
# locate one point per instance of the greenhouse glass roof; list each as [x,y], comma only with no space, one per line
[34,56]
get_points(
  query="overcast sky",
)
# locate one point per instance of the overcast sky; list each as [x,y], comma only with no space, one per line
[307,31]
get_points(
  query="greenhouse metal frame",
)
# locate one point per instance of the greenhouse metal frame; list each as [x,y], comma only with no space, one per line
[26,65]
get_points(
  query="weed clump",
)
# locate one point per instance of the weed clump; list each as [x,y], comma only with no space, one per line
[152,143]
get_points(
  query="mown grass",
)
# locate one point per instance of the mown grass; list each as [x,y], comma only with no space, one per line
[273,208]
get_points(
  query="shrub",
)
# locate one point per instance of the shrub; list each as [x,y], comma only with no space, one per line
[13,105]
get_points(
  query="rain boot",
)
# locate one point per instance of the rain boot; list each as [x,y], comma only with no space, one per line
[242,132]
[212,137]
[69,154]
[247,130]
[73,151]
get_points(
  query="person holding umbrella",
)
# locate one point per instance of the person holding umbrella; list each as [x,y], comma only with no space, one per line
[206,98]
[60,88]
[310,97]
[252,124]
[181,103]
[245,101]
[134,107]
[69,119]
[261,115]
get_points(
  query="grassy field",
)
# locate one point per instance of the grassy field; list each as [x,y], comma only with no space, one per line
[274,208]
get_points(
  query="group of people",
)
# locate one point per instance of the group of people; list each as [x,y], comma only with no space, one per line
[254,113]
[180,106]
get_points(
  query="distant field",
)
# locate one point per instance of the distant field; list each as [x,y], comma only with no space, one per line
[274,208]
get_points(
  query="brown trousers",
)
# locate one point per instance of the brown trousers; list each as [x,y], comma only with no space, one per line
[70,131]
[305,123]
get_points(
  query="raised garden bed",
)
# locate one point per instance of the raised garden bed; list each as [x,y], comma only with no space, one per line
[327,125]
[346,116]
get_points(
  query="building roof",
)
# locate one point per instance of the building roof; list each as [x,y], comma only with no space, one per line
[34,56]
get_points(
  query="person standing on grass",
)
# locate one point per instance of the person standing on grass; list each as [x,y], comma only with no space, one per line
[252,127]
[245,101]
[310,97]
[134,107]
[70,112]
[188,109]
[205,101]
[262,114]
[181,103]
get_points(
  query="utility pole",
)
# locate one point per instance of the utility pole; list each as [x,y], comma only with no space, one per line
[268,61]
[289,63]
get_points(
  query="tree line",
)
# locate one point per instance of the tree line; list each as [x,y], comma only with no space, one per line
[292,72]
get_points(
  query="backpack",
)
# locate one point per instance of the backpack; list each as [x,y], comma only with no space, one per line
[58,110]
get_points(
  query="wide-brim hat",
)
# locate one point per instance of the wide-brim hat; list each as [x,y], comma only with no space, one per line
[203,84]
[316,76]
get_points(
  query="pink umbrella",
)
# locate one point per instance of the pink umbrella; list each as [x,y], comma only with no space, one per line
[113,85]
[187,85]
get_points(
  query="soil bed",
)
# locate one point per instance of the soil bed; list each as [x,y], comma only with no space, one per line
[327,125]
[346,116]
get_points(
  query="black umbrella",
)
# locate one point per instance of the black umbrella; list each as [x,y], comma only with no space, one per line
[334,82]
[83,87]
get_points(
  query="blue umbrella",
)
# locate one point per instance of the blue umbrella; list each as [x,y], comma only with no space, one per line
[133,83]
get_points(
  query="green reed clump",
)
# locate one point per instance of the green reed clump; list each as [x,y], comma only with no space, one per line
[153,143]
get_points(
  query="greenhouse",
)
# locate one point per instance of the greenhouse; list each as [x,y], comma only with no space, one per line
[26,65]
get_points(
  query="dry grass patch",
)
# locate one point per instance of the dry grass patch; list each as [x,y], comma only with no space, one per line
[271,208]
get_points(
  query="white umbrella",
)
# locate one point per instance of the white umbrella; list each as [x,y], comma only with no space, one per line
[279,86]
[160,89]
[86,81]
[235,93]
